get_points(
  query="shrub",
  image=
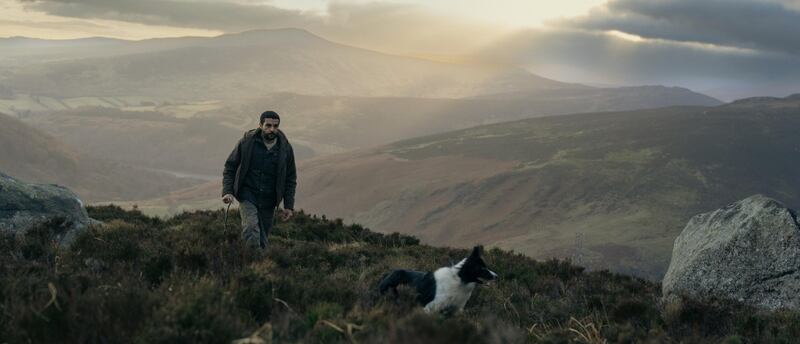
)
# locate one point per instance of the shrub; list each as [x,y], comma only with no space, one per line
[186,279]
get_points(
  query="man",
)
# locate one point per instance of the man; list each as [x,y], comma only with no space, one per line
[260,173]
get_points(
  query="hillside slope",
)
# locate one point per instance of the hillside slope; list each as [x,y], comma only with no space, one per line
[34,156]
[610,190]
[613,189]
[186,279]
[150,136]
[346,123]
[147,139]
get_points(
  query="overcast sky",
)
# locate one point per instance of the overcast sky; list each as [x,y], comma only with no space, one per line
[727,48]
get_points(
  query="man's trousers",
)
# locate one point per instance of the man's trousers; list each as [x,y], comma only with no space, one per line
[256,224]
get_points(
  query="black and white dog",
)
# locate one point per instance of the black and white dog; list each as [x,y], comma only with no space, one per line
[445,290]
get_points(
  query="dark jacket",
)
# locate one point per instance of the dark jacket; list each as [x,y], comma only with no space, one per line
[238,164]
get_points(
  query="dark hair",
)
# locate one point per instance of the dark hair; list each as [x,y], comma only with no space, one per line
[268,114]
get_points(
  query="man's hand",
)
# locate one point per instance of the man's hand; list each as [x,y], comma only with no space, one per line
[227,198]
[287,214]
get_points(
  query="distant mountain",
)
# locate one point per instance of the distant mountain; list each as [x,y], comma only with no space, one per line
[631,97]
[20,44]
[33,156]
[258,62]
[608,189]
[25,50]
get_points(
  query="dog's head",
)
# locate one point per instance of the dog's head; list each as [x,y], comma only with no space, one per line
[474,270]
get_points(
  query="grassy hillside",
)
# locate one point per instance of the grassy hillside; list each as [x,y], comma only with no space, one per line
[612,188]
[186,280]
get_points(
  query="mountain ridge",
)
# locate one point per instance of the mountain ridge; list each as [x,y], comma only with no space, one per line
[232,66]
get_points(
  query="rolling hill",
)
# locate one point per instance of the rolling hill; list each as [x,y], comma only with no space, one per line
[155,136]
[21,51]
[34,156]
[257,62]
[147,139]
[608,189]
[337,123]
[59,75]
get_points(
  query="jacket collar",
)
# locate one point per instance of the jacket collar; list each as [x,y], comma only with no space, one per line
[256,133]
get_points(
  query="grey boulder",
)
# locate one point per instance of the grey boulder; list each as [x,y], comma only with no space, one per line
[747,251]
[25,205]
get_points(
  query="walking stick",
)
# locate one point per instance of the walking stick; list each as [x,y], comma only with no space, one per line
[225,221]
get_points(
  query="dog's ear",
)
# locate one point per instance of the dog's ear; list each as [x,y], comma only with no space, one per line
[476,251]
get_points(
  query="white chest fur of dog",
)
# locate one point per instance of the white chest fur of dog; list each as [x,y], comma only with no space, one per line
[451,292]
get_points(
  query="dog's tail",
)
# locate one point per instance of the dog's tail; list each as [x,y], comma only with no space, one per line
[394,279]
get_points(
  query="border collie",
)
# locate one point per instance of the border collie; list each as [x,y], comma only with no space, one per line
[445,290]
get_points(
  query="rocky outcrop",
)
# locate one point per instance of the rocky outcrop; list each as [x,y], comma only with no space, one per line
[747,251]
[24,206]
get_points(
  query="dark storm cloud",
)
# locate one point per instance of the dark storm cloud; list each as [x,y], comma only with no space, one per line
[384,26]
[217,15]
[593,56]
[727,48]
[752,24]
[619,56]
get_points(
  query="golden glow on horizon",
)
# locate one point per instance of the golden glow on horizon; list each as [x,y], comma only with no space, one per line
[513,13]
[504,13]
[625,36]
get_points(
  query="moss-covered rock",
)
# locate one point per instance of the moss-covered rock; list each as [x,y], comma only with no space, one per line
[24,206]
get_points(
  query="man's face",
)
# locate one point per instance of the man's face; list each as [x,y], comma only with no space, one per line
[270,127]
